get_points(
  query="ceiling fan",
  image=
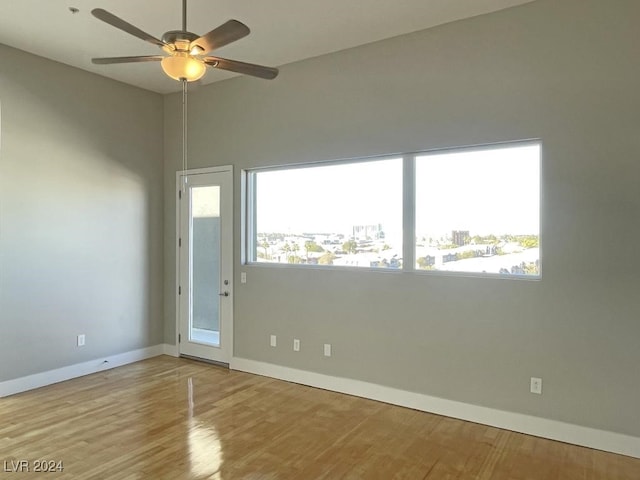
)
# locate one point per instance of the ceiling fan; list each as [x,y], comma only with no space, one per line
[187,58]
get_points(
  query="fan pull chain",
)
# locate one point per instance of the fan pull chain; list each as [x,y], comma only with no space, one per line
[184,129]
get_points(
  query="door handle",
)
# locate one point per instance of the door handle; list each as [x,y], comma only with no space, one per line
[224,294]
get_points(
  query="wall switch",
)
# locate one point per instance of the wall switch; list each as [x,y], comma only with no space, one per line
[536,385]
[327,349]
[296,345]
[274,341]
[243,279]
[81,340]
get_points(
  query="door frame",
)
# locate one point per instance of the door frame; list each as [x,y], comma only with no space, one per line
[178,272]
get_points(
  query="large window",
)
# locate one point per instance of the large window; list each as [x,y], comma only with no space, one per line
[477,211]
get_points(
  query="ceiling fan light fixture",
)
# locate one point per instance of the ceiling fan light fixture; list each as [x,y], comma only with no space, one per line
[182,66]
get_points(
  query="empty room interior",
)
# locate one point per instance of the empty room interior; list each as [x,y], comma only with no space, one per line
[382,241]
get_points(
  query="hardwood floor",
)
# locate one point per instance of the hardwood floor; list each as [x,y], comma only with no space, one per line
[168,418]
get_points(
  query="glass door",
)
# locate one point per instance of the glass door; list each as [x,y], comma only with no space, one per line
[205,264]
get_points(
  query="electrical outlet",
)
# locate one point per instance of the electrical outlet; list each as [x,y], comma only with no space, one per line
[274,341]
[296,345]
[536,385]
[81,340]
[243,279]
[327,349]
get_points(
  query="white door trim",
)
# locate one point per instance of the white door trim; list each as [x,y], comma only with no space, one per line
[179,175]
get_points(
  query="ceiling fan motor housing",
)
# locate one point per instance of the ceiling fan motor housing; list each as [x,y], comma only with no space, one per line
[179,38]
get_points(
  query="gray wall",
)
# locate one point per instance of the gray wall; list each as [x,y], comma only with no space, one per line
[81,217]
[565,71]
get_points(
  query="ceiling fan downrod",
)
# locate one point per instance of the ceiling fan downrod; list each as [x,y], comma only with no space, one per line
[184,15]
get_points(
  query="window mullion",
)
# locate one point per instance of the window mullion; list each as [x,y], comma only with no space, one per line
[409,213]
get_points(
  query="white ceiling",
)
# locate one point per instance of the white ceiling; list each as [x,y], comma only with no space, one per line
[282,31]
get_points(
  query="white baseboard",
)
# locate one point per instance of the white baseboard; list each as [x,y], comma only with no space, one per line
[517,422]
[37,380]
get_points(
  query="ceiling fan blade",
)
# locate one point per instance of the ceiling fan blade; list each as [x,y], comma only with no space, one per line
[267,73]
[109,60]
[111,19]
[219,37]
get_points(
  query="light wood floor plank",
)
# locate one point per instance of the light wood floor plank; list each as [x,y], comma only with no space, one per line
[168,418]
